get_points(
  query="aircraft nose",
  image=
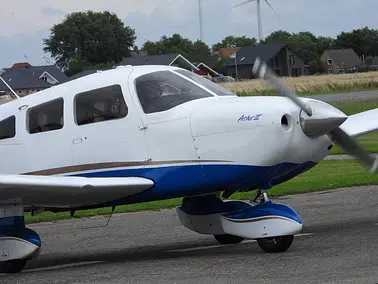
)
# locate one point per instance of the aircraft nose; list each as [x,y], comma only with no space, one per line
[324,119]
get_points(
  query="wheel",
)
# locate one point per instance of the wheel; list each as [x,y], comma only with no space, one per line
[228,239]
[275,244]
[12,266]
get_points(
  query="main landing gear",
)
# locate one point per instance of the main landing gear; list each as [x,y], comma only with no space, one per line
[18,244]
[272,225]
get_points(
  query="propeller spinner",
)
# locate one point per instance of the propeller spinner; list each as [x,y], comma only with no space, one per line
[320,119]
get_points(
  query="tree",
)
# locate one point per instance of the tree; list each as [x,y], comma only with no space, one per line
[324,43]
[362,41]
[197,51]
[279,37]
[90,37]
[173,44]
[200,52]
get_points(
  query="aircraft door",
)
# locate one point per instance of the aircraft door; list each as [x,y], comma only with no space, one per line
[108,132]
[46,141]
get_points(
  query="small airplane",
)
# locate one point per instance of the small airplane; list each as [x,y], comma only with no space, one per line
[136,134]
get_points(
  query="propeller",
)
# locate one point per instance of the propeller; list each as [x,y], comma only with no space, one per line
[319,121]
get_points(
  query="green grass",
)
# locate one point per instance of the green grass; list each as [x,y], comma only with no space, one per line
[327,175]
[273,92]
[355,106]
[368,141]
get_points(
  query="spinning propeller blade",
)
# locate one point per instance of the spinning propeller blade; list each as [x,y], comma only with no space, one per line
[329,125]
[266,73]
[351,145]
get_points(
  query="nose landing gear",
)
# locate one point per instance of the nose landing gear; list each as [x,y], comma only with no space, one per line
[272,225]
[272,244]
[275,244]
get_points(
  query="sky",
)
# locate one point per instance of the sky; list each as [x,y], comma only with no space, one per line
[24,24]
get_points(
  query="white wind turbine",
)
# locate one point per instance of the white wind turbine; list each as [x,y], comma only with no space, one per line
[200,19]
[258,14]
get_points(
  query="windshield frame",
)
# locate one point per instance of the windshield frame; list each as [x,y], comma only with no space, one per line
[204,83]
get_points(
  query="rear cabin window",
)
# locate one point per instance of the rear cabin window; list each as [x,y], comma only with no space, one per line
[100,104]
[8,128]
[46,117]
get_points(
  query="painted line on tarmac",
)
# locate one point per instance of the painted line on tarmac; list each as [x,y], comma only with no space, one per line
[219,246]
[53,267]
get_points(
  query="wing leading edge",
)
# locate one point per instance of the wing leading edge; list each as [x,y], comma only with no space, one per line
[361,123]
[69,191]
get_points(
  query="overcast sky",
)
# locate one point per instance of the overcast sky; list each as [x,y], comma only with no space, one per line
[23,24]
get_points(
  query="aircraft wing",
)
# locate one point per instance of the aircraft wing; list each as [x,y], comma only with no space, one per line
[69,191]
[361,123]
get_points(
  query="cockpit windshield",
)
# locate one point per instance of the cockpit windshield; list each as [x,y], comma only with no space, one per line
[214,87]
[163,90]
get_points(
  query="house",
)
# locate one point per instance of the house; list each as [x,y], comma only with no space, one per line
[340,60]
[26,79]
[82,74]
[169,59]
[227,51]
[374,63]
[140,58]
[204,70]
[284,60]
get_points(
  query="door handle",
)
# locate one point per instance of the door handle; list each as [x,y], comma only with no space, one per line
[77,141]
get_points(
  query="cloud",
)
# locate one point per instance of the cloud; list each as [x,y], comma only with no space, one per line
[27,22]
[15,48]
[48,11]
[25,16]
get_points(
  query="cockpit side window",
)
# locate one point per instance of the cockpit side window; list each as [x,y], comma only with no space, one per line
[162,90]
[101,104]
[8,128]
[214,87]
[46,117]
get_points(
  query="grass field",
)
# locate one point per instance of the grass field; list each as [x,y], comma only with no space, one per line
[368,141]
[310,85]
[3,101]
[327,175]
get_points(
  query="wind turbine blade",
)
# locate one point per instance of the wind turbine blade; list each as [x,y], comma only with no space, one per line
[267,2]
[243,3]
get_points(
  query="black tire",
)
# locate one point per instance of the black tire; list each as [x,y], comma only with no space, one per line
[228,239]
[12,266]
[275,244]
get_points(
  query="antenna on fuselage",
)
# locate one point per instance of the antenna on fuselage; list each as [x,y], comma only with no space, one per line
[9,87]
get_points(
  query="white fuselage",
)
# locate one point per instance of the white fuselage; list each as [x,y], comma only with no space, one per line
[219,130]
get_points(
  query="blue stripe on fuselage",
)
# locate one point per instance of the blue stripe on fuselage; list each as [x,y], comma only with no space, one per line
[189,180]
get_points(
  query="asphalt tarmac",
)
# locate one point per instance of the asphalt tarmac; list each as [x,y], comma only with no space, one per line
[338,245]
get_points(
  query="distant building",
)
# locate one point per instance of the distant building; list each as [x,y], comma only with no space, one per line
[227,51]
[138,58]
[374,63]
[26,79]
[284,60]
[169,59]
[204,70]
[340,60]
[82,74]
